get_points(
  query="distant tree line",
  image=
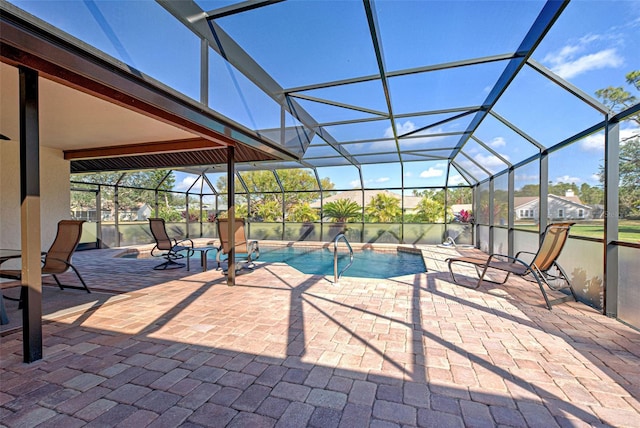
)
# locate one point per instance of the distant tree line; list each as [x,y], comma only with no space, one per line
[618,98]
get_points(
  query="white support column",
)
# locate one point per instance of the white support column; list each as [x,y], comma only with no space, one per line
[611,211]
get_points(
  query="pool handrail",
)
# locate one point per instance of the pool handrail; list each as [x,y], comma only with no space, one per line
[336,275]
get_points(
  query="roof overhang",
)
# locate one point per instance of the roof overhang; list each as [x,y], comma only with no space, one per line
[142,123]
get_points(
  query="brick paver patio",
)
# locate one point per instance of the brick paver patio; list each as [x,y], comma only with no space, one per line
[290,350]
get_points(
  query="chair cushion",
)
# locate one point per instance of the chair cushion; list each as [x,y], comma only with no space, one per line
[471,260]
[515,268]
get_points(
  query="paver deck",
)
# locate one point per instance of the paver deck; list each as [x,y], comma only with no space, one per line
[286,349]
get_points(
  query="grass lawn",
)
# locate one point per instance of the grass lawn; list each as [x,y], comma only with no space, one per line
[628,230]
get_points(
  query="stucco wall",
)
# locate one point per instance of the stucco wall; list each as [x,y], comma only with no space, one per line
[54,194]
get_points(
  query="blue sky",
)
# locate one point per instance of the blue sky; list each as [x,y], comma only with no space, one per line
[592,45]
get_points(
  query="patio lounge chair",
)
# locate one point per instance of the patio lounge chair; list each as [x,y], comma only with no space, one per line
[168,248]
[58,259]
[250,250]
[543,269]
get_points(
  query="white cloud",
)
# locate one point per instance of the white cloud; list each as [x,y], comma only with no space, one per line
[431,172]
[562,54]
[595,177]
[356,183]
[527,177]
[590,52]
[185,184]
[627,133]
[568,179]
[498,142]
[590,38]
[457,179]
[595,142]
[408,126]
[489,161]
[568,68]
[592,143]
[401,128]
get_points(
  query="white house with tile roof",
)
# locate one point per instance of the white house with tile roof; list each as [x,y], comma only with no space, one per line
[567,207]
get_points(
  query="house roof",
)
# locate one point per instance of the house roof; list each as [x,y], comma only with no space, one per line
[103,116]
[520,201]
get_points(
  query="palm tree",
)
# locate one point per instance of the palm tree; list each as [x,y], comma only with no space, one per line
[383,208]
[342,210]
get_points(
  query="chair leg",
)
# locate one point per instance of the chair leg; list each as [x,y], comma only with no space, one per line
[566,278]
[540,278]
[455,281]
[544,293]
[169,264]
[481,271]
[75,287]
[58,282]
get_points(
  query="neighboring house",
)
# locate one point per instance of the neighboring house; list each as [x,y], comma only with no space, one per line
[140,213]
[568,207]
[144,212]
[410,202]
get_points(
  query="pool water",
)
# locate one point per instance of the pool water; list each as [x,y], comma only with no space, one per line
[319,261]
[366,264]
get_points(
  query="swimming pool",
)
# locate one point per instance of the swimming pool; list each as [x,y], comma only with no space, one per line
[366,263]
[319,261]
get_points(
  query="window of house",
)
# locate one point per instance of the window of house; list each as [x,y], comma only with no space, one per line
[580,213]
[560,213]
[527,213]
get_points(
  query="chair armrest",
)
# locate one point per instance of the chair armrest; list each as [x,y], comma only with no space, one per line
[42,254]
[182,243]
[524,252]
[153,251]
[219,253]
[503,257]
[60,260]
[66,263]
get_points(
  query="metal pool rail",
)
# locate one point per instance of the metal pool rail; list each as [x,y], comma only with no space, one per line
[336,275]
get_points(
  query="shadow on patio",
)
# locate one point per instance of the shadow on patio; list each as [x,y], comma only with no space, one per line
[288,349]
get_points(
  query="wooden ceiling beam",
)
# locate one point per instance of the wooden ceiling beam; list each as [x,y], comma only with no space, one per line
[187,145]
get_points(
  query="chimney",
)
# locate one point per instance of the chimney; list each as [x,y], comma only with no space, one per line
[569,193]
